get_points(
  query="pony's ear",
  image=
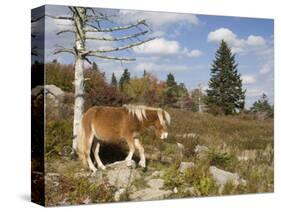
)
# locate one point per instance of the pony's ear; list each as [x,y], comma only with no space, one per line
[167,117]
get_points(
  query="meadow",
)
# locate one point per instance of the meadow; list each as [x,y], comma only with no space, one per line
[238,144]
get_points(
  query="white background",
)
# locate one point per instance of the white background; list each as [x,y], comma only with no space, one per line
[15,103]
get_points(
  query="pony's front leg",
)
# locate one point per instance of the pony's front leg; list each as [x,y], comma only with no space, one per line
[131,152]
[141,151]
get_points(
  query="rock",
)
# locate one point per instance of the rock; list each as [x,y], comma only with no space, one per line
[191,135]
[156,183]
[187,135]
[120,175]
[155,174]
[222,177]
[54,91]
[192,191]
[201,151]
[118,194]
[185,166]
[247,155]
[122,164]
[180,146]
[150,194]
[166,159]
[87,201]
[39,89]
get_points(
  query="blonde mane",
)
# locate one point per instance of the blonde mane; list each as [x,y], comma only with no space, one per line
[140,112]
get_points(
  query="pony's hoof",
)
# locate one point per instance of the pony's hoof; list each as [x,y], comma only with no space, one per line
[102,168]
[142,164]
[144,169]
[73,155]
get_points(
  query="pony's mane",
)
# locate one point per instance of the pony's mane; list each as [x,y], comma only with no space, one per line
[140,112]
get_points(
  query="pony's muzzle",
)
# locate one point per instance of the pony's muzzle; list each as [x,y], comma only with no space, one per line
[164,135]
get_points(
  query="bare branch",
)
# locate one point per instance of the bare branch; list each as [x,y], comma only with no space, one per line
[111,57]
[117,38]
[64,50]
[64,31]
[117,48]
[60,17]
[141,22]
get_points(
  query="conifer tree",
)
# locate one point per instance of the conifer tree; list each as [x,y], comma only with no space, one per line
[225,86]
[113,80]
[125,78]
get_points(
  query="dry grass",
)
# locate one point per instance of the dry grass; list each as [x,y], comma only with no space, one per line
[227,137]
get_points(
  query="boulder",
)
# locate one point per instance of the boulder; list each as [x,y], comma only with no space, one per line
[54,94]
[247,155]
[120,175]
[156,183]
[185,166]
[118,194]
[201,151]
[222,177]
[150,194]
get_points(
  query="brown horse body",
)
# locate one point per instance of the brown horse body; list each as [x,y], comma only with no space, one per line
[110,124]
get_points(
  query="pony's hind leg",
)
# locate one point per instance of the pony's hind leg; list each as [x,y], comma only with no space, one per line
[87,152]
[131,151]
[96,149]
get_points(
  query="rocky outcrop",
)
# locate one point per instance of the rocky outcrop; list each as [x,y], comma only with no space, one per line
[222,177]
[185,166]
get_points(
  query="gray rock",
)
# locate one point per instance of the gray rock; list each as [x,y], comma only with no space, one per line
[118,194]
[150,194]
[54,95]
[155,174]
[39,89]
[87,201]
[192,191]
[120,175]
[201,151]
[122,164]
[247,155]
[185,166]
[156,183]
[222,177]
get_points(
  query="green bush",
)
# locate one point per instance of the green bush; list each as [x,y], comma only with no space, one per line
[58,136]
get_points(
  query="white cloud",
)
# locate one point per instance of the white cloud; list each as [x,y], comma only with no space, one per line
[238,45]
[157,19]
[192,53]
[267,67]
[248,79]
[254,92]
[161,46]
[149,66]
[158,46]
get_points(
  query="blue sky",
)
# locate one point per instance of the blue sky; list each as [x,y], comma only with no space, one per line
[185,45]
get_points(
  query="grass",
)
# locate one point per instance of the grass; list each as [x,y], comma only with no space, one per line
[227,137]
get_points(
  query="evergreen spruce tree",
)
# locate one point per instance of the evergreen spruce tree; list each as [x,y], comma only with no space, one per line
[125,78]
[263,106]
[171,82]
[113,80]
[225,86]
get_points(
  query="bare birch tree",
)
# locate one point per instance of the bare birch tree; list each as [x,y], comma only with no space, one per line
[85,23]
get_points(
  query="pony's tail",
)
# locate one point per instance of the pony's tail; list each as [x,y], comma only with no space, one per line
[81,143]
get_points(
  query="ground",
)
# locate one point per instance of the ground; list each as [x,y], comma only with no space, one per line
[236,144]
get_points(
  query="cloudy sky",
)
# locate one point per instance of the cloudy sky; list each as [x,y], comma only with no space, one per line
[184,45]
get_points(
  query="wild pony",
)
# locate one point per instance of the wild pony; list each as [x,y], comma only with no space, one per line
[110,124]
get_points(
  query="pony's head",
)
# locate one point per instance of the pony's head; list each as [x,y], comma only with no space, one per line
[158,118]
[161,124]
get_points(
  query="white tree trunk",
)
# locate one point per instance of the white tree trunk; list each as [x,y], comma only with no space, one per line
[79,75]
[79,99]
